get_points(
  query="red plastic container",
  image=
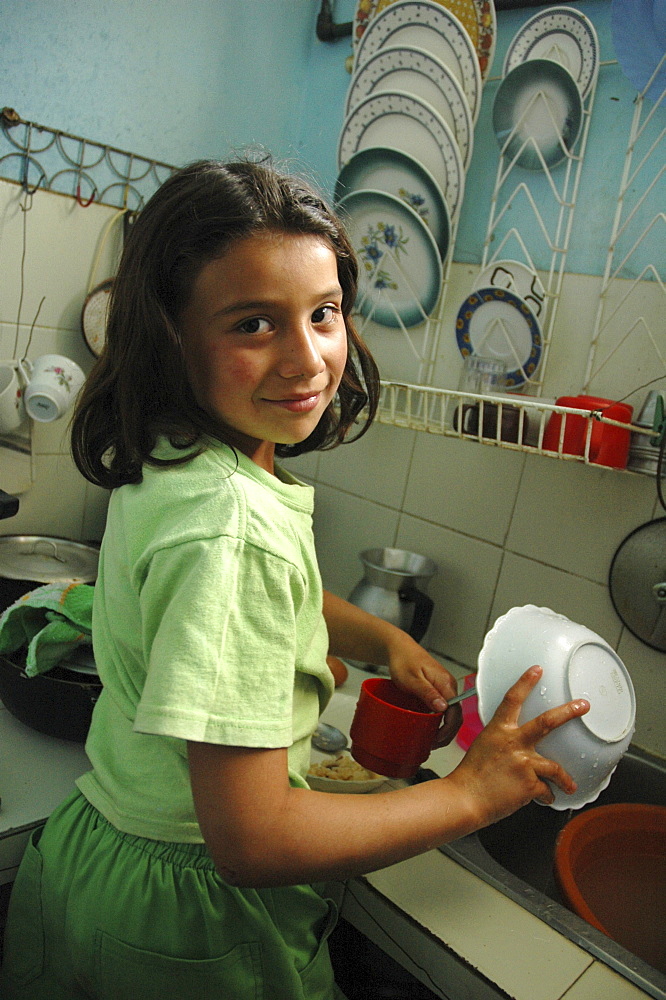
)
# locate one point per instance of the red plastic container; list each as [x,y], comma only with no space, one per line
[609,445]
[392,732]
[610,863]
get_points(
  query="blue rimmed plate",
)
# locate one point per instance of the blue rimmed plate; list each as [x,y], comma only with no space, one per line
[564,35]
[400,270]
[496,323]
[517,278]
[428,26]
[414,71]
[403,122]
[381,168]
[537,114]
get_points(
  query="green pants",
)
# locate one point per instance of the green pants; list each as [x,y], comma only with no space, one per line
[103,915]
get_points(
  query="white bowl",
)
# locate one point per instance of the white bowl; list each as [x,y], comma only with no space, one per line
[576,663]
[323,784]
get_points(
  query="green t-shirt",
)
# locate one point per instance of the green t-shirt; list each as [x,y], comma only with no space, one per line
[207,626]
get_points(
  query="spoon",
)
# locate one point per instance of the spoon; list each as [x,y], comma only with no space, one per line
[328,738]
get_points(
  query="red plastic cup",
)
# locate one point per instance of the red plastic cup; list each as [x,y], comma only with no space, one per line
[392,732]
[609,445]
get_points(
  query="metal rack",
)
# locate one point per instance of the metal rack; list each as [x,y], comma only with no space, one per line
[39,157]
[644,174]
[439,411]
[426,408]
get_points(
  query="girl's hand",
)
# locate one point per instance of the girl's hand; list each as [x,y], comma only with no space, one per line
[502,768]
[413,669]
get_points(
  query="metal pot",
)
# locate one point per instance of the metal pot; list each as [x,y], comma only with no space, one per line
[28,561]
[58,703]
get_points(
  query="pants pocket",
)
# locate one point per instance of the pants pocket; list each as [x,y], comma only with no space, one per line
[23,959]
[317,976]
[126,971]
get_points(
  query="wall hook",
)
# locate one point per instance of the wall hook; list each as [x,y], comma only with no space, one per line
[327,29]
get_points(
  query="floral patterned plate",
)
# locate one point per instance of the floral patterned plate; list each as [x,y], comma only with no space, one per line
[383,169]
[400,270]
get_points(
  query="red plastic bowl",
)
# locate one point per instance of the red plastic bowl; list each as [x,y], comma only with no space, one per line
[609,445]
[610,863]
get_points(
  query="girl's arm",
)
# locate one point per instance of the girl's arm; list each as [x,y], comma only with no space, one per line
[355,633]
[263,832]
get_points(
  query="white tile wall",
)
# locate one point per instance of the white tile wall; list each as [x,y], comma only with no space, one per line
[59,243]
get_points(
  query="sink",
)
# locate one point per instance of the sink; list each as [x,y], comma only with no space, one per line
[516,856]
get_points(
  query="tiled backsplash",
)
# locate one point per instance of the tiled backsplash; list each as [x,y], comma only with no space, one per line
[503,527]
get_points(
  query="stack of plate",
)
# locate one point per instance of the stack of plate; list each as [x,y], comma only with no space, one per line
[550,68]
[406,143]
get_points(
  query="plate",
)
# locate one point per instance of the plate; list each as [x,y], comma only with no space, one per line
[564,35]
[403,122]
[537,114]
[498,324]
[383,169]
[517,278]
[425,25]
[400,270]
[94,316]
[478,18]
[415,71]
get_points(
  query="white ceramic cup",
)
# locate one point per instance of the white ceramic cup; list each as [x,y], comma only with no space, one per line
[14,376]
[53,387]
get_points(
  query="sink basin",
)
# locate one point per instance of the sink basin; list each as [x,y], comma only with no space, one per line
[516,856]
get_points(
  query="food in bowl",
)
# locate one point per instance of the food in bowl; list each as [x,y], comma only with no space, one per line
[576,663]
[342,774]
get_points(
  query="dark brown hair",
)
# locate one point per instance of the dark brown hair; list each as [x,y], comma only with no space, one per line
[138,389]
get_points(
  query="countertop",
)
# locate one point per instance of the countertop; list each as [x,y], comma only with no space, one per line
[459,936]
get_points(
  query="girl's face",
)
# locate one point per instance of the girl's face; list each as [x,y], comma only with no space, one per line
[264,340]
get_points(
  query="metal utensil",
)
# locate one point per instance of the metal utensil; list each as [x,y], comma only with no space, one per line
[329,739]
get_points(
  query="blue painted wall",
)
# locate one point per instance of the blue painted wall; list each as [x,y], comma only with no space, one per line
[188,78]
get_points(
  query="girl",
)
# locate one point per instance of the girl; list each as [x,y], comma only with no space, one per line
[182,864]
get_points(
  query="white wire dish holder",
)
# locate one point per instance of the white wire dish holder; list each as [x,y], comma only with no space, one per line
[440,411]
[621,323]
[544,201]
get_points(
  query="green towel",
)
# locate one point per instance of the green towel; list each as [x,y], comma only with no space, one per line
[51,621]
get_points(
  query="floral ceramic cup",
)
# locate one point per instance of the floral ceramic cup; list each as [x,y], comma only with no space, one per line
[53,387]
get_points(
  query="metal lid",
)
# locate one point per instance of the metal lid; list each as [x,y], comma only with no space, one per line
[637,583]
[47,560]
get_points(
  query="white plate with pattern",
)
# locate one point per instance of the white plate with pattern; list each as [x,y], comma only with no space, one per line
[382,169]
[477,17]
[516,277]
[564,35]
[403,122]
[400,269]
[414,71]
[426,25]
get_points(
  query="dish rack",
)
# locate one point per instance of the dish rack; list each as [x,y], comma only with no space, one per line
[427,408]
[440,411]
